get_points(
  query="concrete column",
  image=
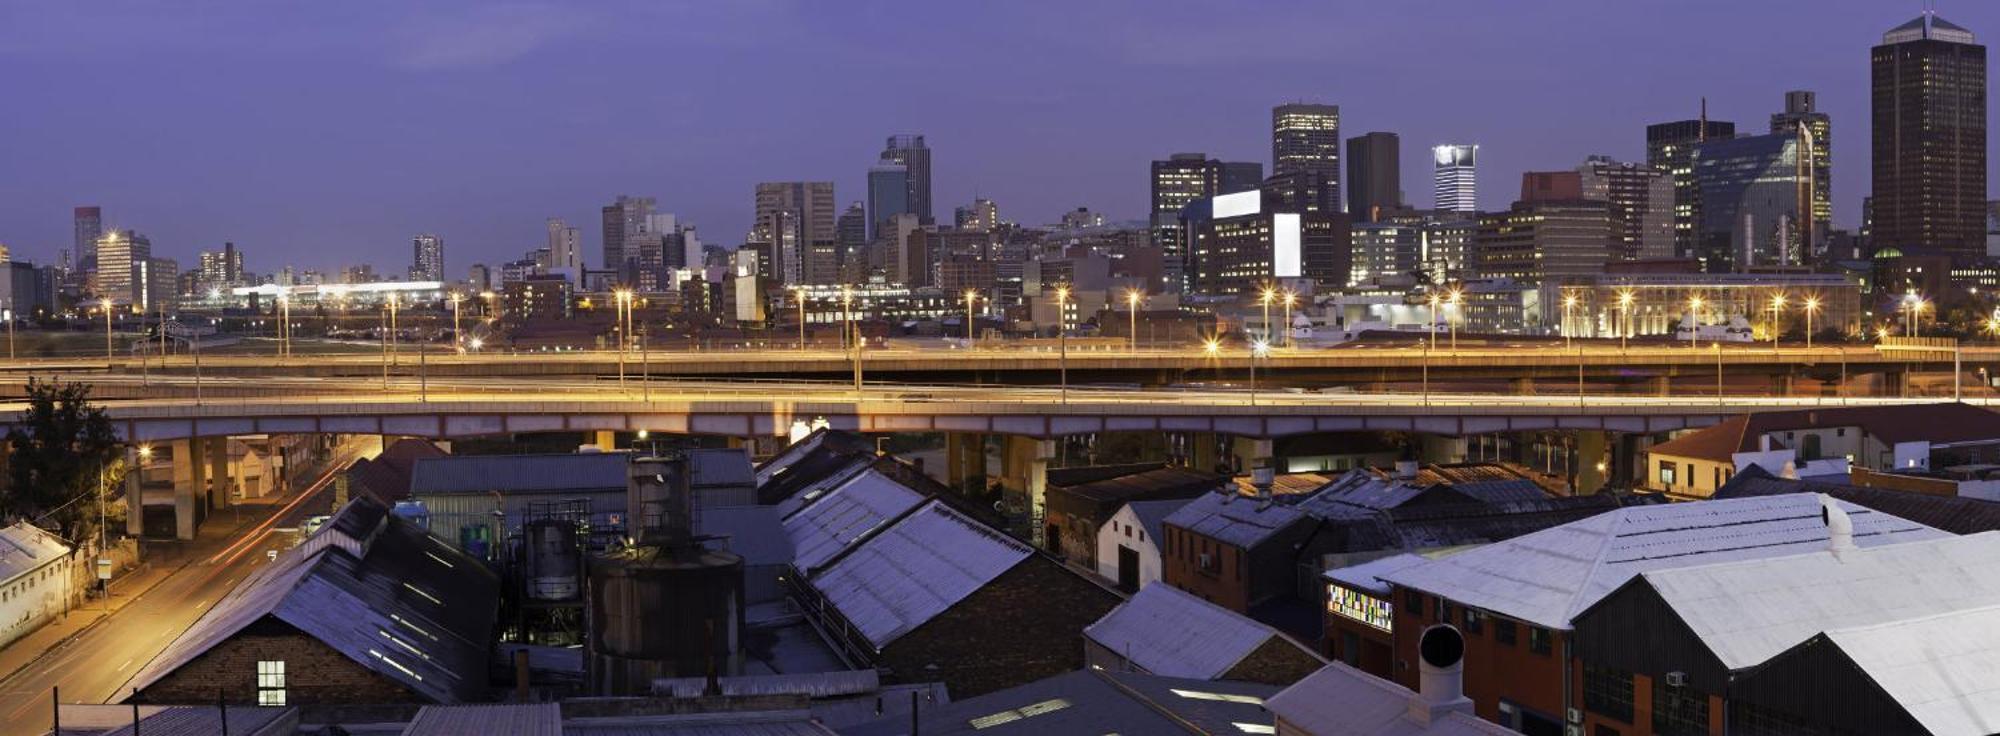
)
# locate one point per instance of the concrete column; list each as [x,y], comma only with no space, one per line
[607,440]
[1524,386]
[1781,384]
[1024,473]
[135,494]
[965,460]
[188,487]
[1592,448]
[1206,451]
[218,473]
[1662,385]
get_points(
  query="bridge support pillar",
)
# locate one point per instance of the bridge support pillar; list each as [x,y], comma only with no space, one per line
[1024,474]
[607,440]
[1781,384]
[218,473]
[135,494]
[1661,385]
[1203,451]
[189,507]
[1895,383]
[1522,386]
[1593,461]
[965,461]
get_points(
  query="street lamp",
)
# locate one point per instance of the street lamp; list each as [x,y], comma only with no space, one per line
[1569,303]
[1062,340]
[1132,297]
[284,325]
[1812,305]
[107,328]
[1290,299]
[1694,320]
[457,337]
[1258,349]
[1777,304]
[1268,295]
[971,298]
[799,292]
[1624,318]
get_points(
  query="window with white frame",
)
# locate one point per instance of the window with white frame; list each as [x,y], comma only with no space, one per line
[271,682]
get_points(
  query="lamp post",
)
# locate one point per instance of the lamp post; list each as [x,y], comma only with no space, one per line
[1777,304]
[457,337]
[1266,298]
[1624,318]
[1694,321]
[1290,299]
[1062,340]
[1426,362]
[1569,303]
[284,325]
[393,337]
[971,298]
[1132,311]
[847,313]
[799,292]
[1451,307]
[1718,372]
[621,297]
[107,328]
[10,329]
[1812,305]
[1258,349]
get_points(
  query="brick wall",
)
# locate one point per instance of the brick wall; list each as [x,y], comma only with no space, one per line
[1024,626]
[314,672]
[1275,662]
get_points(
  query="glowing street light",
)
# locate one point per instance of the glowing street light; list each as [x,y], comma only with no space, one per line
[1694,320]
[1777,304]
[1132,297]
[1290,299]
[1062,340]
[1266,298]
[1451,307]
[1812,305]
[457,337]
[107,328]
[1569,303]
[971,298]
[1624,317]
[1258,349]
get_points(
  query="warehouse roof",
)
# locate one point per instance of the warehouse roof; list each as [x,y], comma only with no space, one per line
[1092,703]
[1235,520]
[832,522]
[1344,700]
[1167,631]
[550,472]
[901,577]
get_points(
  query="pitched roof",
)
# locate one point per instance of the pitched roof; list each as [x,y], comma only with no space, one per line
[713,467]
[1366,576]
[1152,513]
[1955,514]
[823,447]
[1152,483]
[372,586]
[1167,631]
[1339,699]
[1940,424]
[923,564]
[1091,703]
[551,472]
[1747,611]
[1235,520]
[1548,577]
[1939,668]
[25,548]
[205,720]
[835,520]
[498,719]
[756,533]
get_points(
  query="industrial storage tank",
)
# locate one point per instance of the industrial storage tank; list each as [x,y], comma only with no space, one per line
[554,561]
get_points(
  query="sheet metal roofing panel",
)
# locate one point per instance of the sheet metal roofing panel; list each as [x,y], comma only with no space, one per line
[205,721]
[808,491]
[519,473]
[1944,670]
[509,719]
[850,511]
[1151,513]
[1243,522]
[25,548]
[811,684]
[1083,703]
[719,467]
[755,532]
[914,570]
[1366,576]
[1748,611]
[1549,576]
[1344,700]
[786,457]
[774,723]
[1166,631]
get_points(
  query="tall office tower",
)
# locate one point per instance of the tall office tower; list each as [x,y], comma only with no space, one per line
[565,247]
[888,195]
[624,217]
[1670,148]
[479,278]
[162,283]
[1456,178]
[89,223]
[812,219]
[779,241]
[851,234]
[1374,175]
[1543,244]
[981,215]
[910,151]
[1305,138]
[123,258]
[221,269]
[1640,199]
[1384,250]
[1802,118]
[1180,180]
[1929,138]
[1751,206]
[427,258]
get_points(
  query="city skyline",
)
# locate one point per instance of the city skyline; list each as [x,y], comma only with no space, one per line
[483,168]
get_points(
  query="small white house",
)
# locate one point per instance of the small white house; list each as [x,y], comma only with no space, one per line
[1128,550]
[35,579]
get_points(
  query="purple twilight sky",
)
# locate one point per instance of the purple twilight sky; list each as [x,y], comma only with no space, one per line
[322,134]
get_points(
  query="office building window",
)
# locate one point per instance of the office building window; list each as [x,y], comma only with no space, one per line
[1504,632]
[1679,711]
[1539,640]
[1608,692]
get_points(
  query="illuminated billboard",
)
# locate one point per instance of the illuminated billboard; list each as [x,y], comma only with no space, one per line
[1237,205]
[1352,604]
[1285,258]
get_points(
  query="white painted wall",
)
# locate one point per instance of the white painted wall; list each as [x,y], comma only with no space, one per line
[1123,530]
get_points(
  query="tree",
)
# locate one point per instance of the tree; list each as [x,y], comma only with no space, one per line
[56,451]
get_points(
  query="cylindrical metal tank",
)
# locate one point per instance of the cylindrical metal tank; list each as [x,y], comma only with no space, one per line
[658,612]
[554,561]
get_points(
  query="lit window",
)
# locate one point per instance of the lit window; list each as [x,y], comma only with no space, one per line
[1223,697]
[271,682]
[1010,716]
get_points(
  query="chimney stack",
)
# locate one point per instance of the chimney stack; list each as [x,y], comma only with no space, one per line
[1839,528]
[1441,676]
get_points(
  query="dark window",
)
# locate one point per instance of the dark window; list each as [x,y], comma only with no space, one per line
[1679,711]
[1608,692]
[1473,621]
[1748,718]
[1447,612]
[1350,648]
[1810,448]
[1414,601]
[1503,631]
[1538,640]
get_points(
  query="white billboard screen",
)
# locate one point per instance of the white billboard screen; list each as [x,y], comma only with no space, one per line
[1285,258]
[1237,205]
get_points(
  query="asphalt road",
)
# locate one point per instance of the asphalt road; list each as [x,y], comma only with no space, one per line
[96,665]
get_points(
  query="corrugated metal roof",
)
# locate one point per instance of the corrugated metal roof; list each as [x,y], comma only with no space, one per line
[1092,703]
[712,467]
[1151,513]
[25,548]
[845,514]
[207,721]
[1955,514]
[1169,632]
[519,473]
[1367,575]
[374,599]
[768,723]
[1944,670]
[814,482]
[914,570]
[1344,700]
[1549,576]
[1748,611]
[755,532]
[1234,520]
[497,719]
[811,684]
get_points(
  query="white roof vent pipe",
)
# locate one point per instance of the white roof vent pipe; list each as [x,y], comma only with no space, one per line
[1839,528]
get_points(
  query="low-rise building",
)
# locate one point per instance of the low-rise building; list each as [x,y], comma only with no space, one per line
[475,500]
[1091,702]
[1128,546]
[1079,501]
[1340,700]
[1166,631]
[39,579]
[1910,437]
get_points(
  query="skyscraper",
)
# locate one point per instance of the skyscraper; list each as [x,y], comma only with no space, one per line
[1456,177]
[910,151]
[1177,182]
[623,218]
[888,195]
[1374,175]
[565,247]
[809,205]
[1640,202]
[223,268]
[89,223]
[1670,148]
[1749,189]
[1928,115]
[1814,129]
[851,231]
[123,263]
[1305,138]
[427,258]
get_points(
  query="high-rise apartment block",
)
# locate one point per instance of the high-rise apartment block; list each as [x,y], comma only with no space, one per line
[123,262]
[427,258]
[1305,139]
[222,269]
[89,225]
[1455,184]
[1640,202]
[798,217]
[625,218]
[1374,175]
[565,245]
[1928,130]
